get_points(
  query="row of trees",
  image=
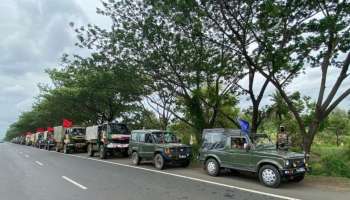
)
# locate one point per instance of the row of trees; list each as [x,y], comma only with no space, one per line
[184,61]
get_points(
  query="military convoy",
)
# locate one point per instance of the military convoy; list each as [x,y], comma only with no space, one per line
[69,140]
[107,139]
[49,141]
[39,139]
[232,149]
[229,149]
[161,147]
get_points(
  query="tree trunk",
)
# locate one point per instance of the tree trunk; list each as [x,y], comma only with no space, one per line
[309,136]
[255,119]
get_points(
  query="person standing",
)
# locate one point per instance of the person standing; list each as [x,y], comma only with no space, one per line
[282,139]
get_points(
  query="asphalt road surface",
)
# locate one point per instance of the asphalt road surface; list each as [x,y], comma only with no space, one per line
[28,173]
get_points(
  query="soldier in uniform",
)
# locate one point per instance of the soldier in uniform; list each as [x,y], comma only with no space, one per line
[282,139]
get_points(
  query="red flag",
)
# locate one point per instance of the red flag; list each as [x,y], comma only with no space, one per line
[40,129]
[67,123]
[49,129]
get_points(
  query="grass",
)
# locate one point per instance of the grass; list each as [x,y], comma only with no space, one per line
[329,160]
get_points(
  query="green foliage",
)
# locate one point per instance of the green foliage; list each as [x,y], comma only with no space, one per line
[331,161]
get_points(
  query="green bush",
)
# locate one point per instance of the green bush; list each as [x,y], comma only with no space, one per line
[331,161]
[336,166]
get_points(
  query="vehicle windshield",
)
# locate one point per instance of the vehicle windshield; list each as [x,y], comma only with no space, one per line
[78,132]
[164,137]
[214,140]
[118,129]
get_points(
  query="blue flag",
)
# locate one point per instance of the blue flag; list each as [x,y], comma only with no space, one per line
[244,126]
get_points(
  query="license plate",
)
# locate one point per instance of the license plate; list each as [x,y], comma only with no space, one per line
[182,156]
[301,170]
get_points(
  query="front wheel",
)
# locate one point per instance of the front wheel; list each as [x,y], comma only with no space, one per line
[159,161]
[269,176]
[135,158]
[103,153]
[90,150]
[65,149]
[212,166]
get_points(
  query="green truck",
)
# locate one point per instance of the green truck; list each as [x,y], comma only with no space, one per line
[108,139]
[70,139]
[232,149]
[161,147]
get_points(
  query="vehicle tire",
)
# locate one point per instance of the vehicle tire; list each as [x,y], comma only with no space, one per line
[269,176]
[103,153]
[135,158]
[90,150]
[65,149]
[212,167]
[159,162]
[185,163]
[298,178]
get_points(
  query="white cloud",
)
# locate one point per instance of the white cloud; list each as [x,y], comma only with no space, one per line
[35,34]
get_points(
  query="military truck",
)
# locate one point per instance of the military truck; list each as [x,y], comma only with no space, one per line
[28,141]
[69,140]
[49,142]
[32,139]
[108,139]
[39,140]
[161,147]
[232,149]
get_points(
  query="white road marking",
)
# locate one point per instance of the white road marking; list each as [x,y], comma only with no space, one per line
[75,183]
[190,178]
[39,163]
[27,156]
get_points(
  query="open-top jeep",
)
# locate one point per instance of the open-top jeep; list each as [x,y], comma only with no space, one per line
[160,146]
[232,149]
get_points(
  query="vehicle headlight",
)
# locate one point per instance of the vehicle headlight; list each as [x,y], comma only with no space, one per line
[287,162]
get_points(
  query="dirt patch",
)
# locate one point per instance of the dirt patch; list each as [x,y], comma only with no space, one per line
[332,183]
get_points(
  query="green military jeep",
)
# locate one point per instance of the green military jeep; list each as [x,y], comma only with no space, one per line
[161,147]
[232,149]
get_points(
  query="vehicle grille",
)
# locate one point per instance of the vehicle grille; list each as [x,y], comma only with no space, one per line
[180,150]
[120,141]
[298,163]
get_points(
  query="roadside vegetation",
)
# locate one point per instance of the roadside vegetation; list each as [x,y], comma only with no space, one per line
[183,66]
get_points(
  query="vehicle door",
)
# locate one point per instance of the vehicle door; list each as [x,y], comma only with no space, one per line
[148,146]
[135,141]
[238,155]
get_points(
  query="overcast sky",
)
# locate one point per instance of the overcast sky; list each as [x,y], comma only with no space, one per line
[34,35]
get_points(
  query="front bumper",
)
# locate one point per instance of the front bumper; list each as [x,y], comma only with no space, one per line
[117,146]
[180,157]
[76,145]
[295,171]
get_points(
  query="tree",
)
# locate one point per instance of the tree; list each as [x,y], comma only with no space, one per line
[280,39]
[98,89]
[172,53]
[338,123]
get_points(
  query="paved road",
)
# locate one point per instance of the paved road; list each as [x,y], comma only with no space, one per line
[29,173]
